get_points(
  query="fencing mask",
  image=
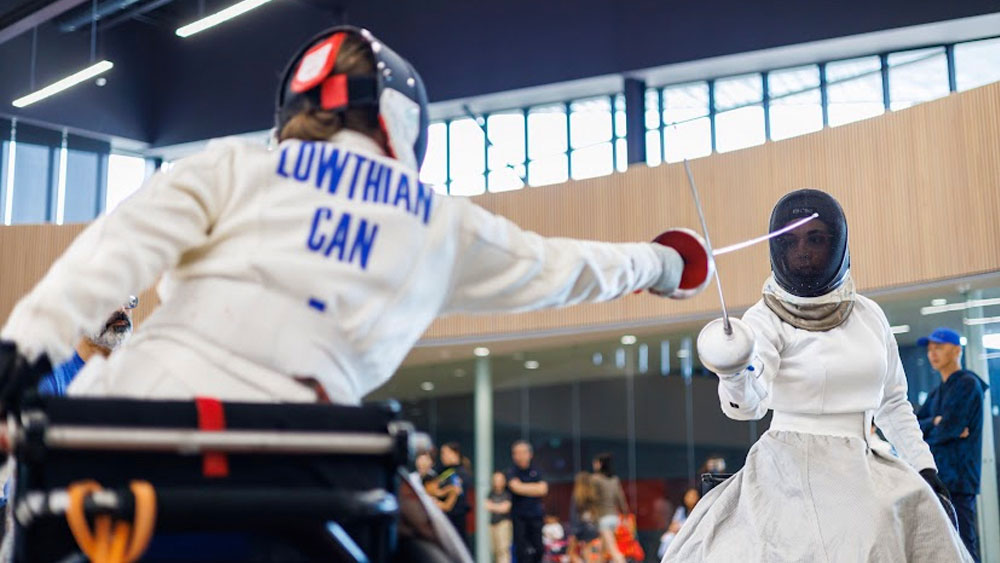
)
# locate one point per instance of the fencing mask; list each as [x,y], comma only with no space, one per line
[813,259]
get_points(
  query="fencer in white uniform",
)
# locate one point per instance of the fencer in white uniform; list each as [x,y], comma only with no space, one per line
[324,258]
[825,361]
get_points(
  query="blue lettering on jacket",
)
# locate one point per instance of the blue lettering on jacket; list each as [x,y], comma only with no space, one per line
[345,236]
[347,239]
[331,163]
[326,165]
[303,164]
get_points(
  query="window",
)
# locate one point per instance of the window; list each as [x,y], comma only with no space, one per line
[854,90]
[917,76]
[434,169]
[654,128]
[591,136]
[466,157]
[34,169]
[547,145]
[739,122]
[621,130]
[506,151]
[687,127]
[977,63]
[86,176]
[795,103]
[126,174]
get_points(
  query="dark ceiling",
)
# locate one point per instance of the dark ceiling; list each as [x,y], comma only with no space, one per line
[166,90]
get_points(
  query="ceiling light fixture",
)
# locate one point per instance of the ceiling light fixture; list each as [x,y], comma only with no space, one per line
[481,352]
[939,302]
[219,17]
[981,321]
[531,364]
[427,386]
[900,329]
[628,340]
[68,82]
[932,310]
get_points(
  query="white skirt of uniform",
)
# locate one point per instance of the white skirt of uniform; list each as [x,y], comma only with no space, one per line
[816,498]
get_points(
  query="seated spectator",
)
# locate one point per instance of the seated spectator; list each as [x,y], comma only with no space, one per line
[553,539]
[691,498]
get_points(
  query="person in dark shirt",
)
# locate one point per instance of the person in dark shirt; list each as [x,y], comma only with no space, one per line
[952,422]
[527,489]
[451,484]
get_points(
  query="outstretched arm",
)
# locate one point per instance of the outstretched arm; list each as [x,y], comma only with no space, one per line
[502,268]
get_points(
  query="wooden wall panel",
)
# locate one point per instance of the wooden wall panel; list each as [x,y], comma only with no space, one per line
[27,251]
[921,188]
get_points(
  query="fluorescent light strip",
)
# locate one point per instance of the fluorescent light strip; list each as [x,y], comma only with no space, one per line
[219,17]
[68,82]
[959,306]
[981,321]
[900,329]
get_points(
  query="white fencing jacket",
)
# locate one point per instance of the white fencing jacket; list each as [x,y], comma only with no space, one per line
[853,368]
[318,259]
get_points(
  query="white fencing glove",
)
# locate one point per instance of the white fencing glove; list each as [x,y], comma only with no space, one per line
[726,354]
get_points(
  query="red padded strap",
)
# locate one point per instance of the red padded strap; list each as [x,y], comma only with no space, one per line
[211,417]
[333,93]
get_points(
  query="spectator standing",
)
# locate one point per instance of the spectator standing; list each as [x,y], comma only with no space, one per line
[952,422]
[498,505]
[609,504]
[527,488]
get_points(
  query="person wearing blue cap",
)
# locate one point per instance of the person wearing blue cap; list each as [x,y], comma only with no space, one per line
[952,422]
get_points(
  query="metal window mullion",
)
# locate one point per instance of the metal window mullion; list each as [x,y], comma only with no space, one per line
[103,163]
[569,144]
[8,201]
[447,156]
[711,112]
[824,96]
[765,101]
[614,134]
[58,210]
[486,152]
[949,53]
[884,69]
[527,157]
[663,125]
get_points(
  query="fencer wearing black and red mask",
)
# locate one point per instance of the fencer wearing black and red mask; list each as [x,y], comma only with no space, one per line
[323,258]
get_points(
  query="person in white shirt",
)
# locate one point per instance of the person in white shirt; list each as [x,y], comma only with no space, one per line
[323,260]
[823,359]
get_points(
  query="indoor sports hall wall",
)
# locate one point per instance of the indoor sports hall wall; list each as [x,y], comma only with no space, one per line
[921,188]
